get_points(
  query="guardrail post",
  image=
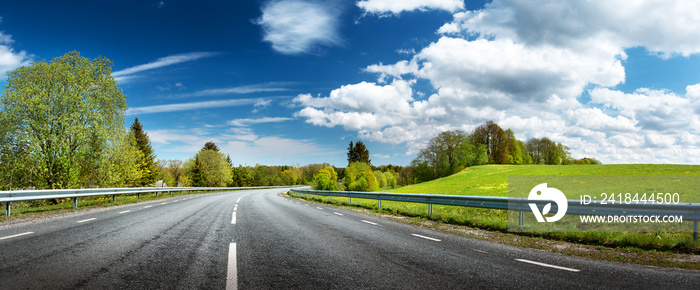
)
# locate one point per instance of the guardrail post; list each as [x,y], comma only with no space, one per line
[380,203]
[114,197]
[139,197]
[349,199]
[695,231]
[521,218]
[430,208]
[75,202]
[330,198]
[8,207]
[156,194]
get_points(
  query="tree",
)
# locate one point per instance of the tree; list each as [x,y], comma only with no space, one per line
[217,171]
[545,151]
[495,139]
[326,179]
[58,119]
[445,154]
[211,146]
[359,177]
[358,153]
[212,165]
[120,167]
[196,171]
[514,147]
[147,165]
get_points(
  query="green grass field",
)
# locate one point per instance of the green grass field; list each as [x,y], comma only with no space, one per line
[492,180]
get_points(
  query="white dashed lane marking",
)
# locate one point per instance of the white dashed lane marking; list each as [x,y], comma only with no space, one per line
[369,222]
[232,273]
[17,235]
[427,238]
[548,265]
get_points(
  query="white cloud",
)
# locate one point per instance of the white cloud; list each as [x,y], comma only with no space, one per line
[382,7]
[127,73]
[359,106]
[247,122]
[653,109]
[296,27]
[595,119]
[246,89]
[525,65]
[189,106]
[663,27]
[9,58]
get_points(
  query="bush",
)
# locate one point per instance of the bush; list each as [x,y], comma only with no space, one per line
[359,177]
[326,179]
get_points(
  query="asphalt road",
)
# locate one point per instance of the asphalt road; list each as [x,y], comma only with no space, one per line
[261,240]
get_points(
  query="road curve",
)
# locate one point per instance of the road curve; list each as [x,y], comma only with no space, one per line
[259,239]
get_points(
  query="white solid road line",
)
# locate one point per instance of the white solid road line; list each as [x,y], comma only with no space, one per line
[427,238]
[548,265]
[337,213]
[87,220]
[232,273]
[17,235]
[369,222]
[125,211]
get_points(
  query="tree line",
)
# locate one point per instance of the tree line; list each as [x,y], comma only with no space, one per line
[212,168]
[452,151]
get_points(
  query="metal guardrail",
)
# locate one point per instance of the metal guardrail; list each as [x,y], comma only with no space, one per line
[25,195]
[689,211]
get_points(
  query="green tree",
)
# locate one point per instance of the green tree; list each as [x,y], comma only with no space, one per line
[391,178]
[445,154]
[359,177]
[196,172]
[514,147]
[495,139]
[215,170]
[242,176]
[326,179]
[120,165]
[147,164]
[381,179]
[58,119]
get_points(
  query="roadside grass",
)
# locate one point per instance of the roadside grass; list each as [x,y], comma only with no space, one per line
[492,180]
[39,208]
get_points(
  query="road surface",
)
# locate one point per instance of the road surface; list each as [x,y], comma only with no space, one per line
[258,239]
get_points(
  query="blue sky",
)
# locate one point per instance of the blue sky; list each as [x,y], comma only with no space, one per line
[293,82]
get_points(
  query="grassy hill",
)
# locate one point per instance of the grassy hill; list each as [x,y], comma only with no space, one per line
[492,180]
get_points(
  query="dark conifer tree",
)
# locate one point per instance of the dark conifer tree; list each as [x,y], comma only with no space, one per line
[358,153]
[210,146]
[147,166]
